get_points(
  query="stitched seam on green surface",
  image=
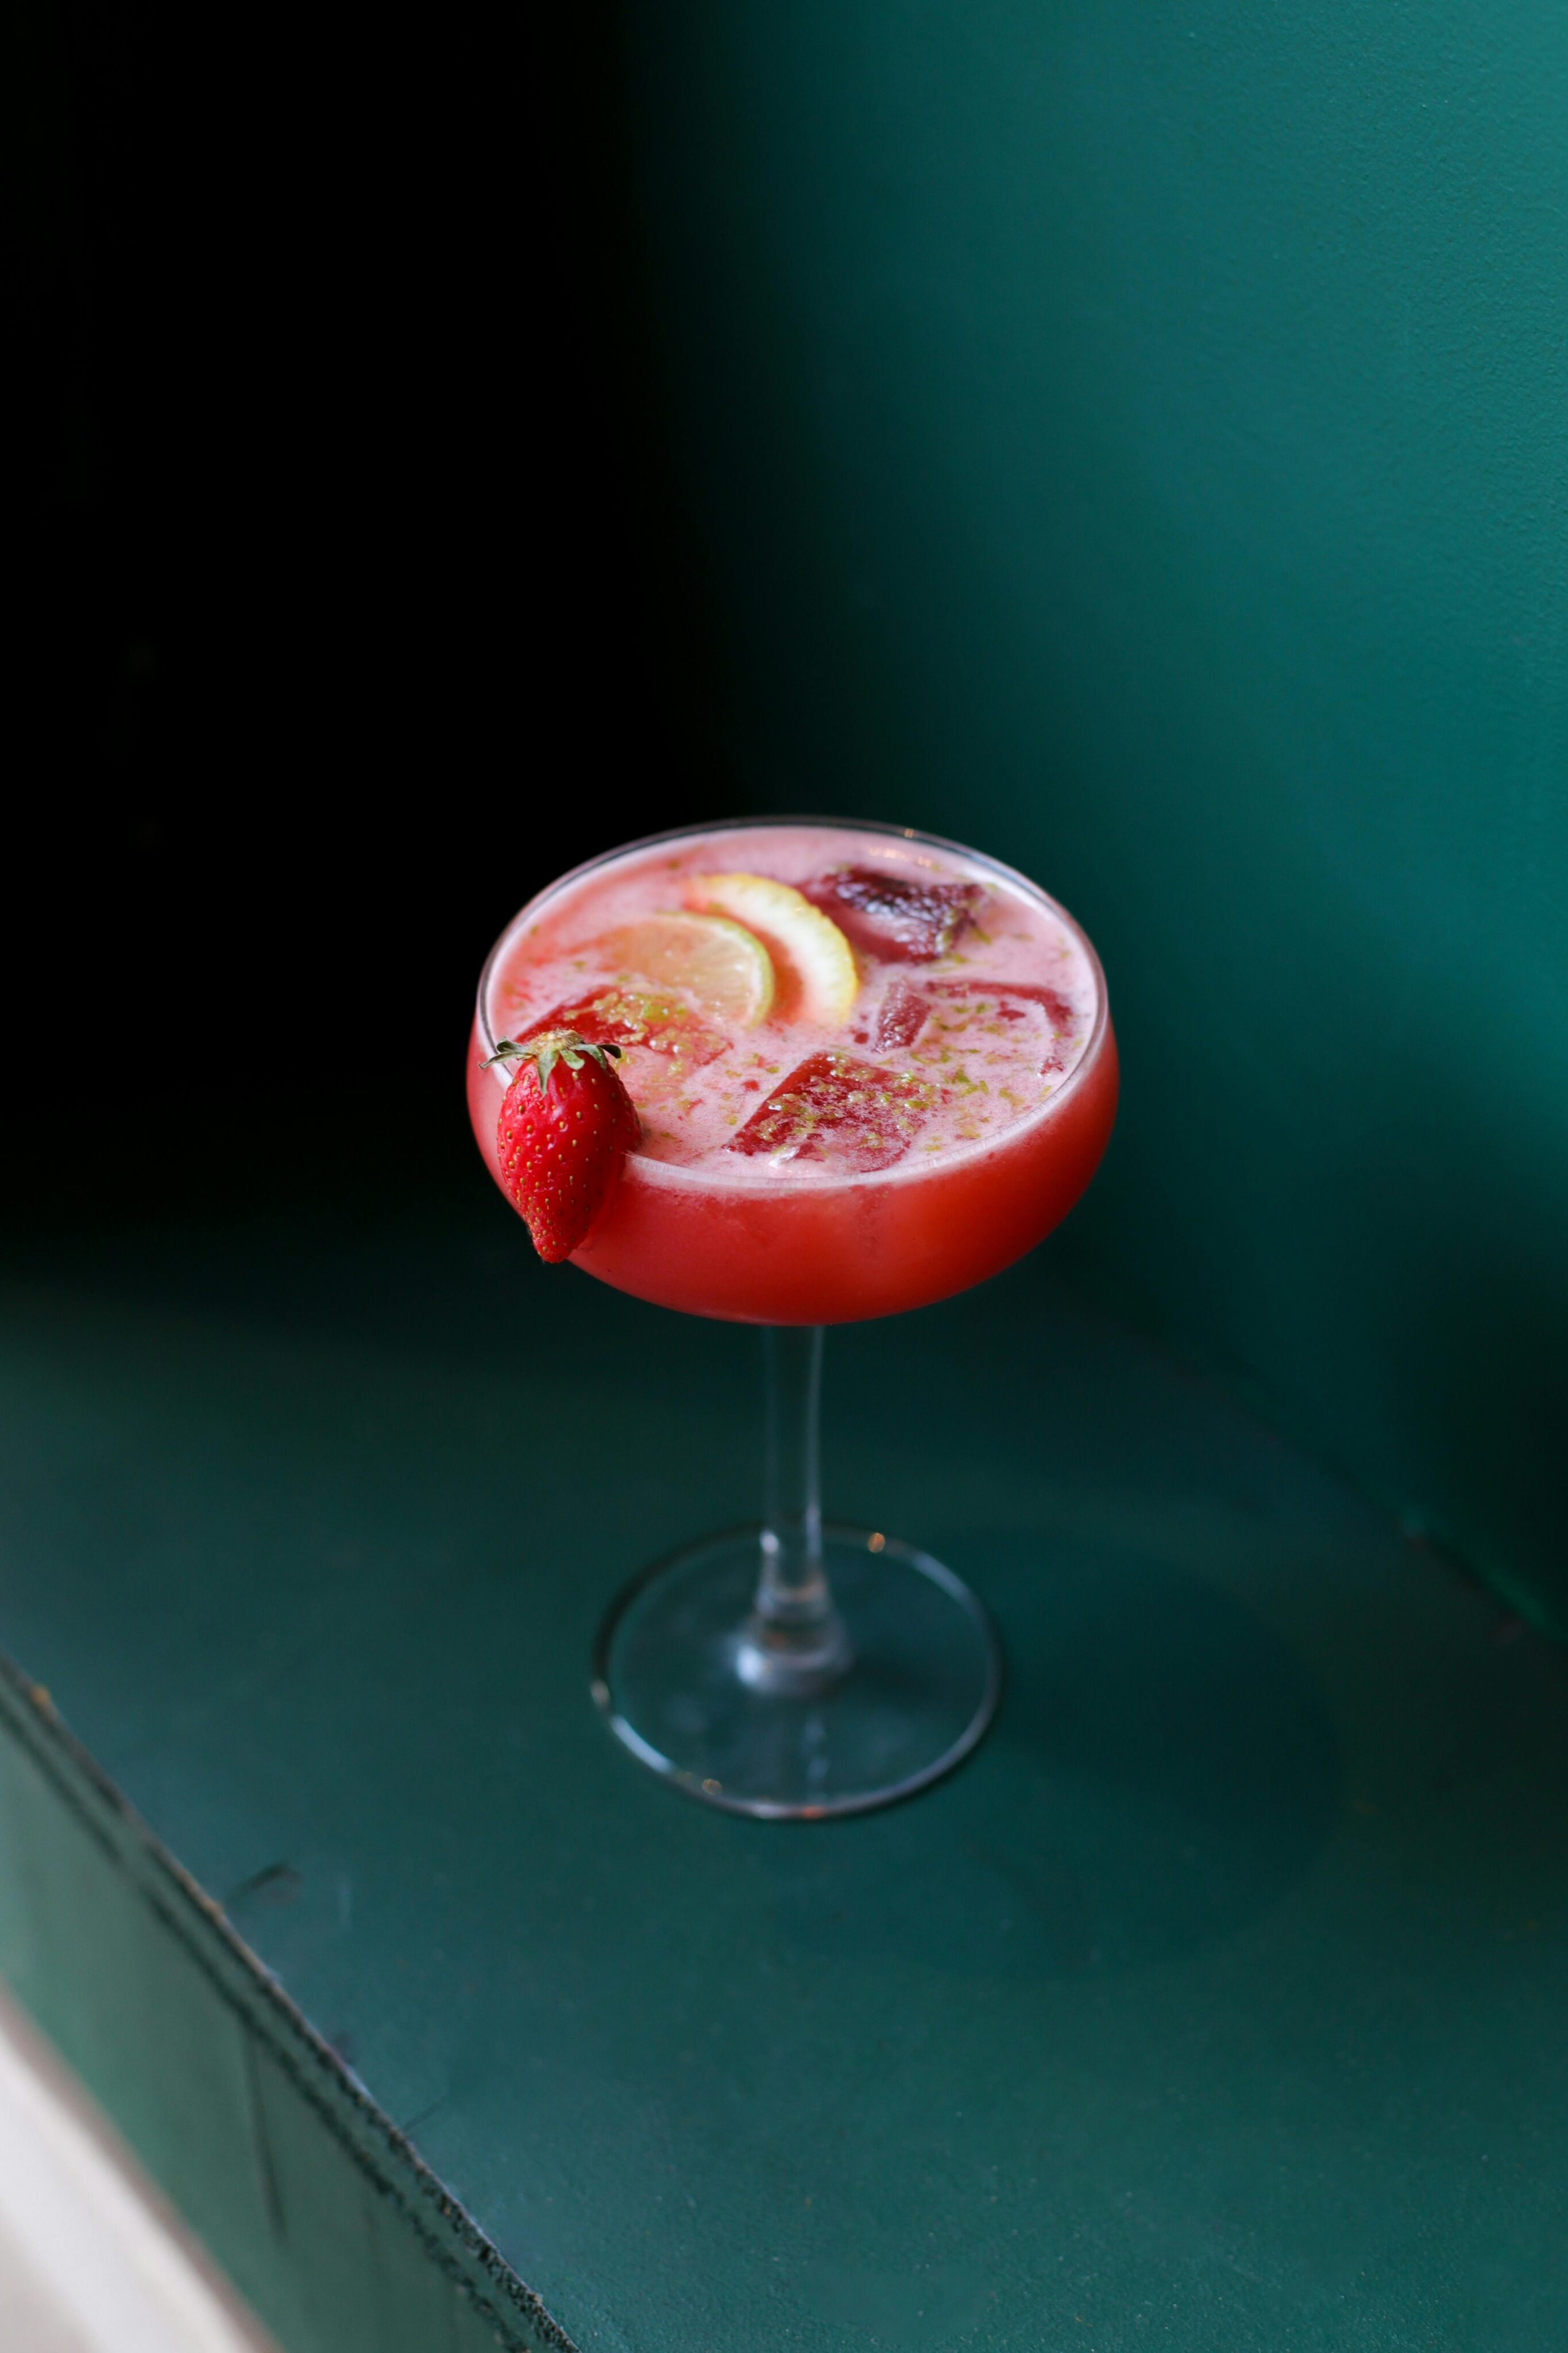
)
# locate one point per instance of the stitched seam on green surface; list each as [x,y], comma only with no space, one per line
[238,1977]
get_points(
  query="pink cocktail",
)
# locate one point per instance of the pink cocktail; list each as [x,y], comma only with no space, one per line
[870,1068]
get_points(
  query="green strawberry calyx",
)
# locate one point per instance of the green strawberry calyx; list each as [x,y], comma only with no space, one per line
[552,1046]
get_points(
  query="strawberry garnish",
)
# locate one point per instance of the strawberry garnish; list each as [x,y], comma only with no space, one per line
[566,1125]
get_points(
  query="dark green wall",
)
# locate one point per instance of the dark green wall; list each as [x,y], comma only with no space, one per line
[1134,439]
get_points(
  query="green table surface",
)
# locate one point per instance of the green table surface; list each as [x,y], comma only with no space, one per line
[1218,2002]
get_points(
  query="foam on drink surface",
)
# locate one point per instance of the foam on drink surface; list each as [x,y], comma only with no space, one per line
[976,1003]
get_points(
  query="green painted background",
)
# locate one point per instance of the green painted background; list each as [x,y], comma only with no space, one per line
[1134,439]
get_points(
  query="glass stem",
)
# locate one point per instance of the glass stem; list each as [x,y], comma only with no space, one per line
[793,1642]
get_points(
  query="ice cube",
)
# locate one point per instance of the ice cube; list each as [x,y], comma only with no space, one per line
[974,1004]
[836,1109]
[661,1039]
[900,1018]
[902,918]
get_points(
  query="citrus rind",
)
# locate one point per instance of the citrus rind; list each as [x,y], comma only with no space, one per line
[719,964]
[814,963]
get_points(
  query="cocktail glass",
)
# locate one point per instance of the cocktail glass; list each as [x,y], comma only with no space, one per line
[796,1668]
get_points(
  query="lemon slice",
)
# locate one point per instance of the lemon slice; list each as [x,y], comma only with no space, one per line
[813,964]
[725,966]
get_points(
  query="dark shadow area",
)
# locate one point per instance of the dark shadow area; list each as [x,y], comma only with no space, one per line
[349,604]
[1483,1355]
[1163,1771]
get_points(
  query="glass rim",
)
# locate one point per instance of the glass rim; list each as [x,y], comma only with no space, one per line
[677,1174]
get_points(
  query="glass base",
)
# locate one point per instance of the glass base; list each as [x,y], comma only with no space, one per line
[675,1673]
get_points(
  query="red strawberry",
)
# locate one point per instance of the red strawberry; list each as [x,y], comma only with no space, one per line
[566,1125]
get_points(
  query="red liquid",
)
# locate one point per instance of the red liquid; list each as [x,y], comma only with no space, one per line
[724,1212]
